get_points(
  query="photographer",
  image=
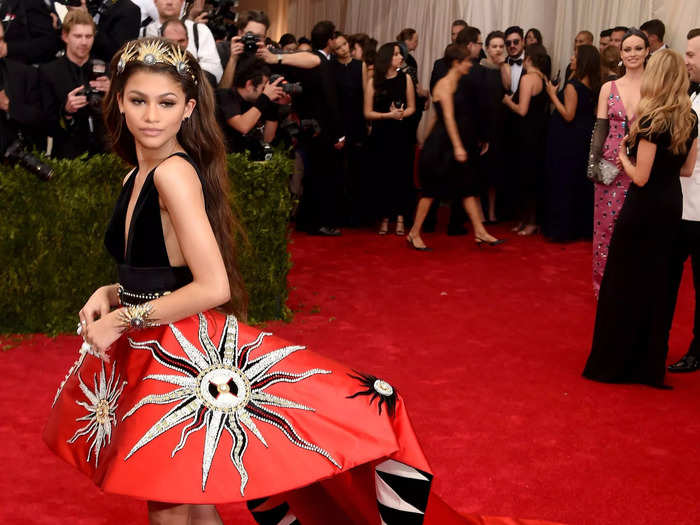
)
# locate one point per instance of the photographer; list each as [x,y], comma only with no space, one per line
[72,90]
[175,30]
[201,42]
[118,21]
[253,26]
[30,36]
[20,100]
[247,113]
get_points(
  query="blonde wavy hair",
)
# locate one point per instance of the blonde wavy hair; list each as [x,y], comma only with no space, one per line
[665,105]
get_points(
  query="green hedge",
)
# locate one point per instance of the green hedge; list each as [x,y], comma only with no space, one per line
[52,254]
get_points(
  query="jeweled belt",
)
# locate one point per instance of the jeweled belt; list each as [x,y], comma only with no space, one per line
[129,298]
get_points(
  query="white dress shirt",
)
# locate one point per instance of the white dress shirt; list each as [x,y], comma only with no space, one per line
[206,55]
[516,71]
[148,8]
[691,185]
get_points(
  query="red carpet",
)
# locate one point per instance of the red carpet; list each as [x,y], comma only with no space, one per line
[486,346]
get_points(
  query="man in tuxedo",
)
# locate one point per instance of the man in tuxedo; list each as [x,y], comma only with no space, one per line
[20,99]
[321,139]
[30,36]
[439,66]
[604,40]
[616,36]
[655,31]
[515,47]
[688,241]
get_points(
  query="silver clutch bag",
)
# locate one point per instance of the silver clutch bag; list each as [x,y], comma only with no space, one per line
[603,172]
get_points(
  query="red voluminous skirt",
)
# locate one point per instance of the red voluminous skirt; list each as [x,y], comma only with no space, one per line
[209,410]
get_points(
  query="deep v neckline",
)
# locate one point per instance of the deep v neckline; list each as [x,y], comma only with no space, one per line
[129,225]
[622,102]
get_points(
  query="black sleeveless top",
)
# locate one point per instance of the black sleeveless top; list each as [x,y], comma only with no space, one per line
[144,266]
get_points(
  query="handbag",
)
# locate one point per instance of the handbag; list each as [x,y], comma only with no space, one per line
[603,172]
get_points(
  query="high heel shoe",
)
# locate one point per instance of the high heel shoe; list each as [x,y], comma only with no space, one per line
[409,240]
[400,231]
[384,228]
[480,242]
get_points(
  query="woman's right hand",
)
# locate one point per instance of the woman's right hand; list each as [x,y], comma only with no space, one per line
[460,154]
[396,114]
[96,307]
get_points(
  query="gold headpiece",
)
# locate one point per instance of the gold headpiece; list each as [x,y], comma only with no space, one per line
[156,51]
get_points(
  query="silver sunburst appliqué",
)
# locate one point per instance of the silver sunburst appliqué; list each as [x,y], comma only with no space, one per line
[222,389]
[101,408]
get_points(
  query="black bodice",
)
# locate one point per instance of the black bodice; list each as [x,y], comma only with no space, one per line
[143,263]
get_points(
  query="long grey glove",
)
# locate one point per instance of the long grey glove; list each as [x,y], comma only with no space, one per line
[599,169]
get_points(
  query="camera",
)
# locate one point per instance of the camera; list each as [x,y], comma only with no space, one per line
[222,19]
[291,88]
[250,42]
[17,153]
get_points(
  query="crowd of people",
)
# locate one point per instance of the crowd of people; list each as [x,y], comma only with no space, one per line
[508,139]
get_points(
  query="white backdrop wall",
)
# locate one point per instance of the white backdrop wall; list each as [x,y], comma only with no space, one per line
[558,20]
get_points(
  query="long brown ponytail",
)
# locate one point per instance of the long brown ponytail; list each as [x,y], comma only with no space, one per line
[201,138]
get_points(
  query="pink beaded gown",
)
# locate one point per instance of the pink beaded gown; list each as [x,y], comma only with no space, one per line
[608,200]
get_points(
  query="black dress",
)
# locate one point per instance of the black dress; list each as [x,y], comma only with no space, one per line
[441,176]
[493,161]
[569,191]
[391,148]
[631,327]
[531,133]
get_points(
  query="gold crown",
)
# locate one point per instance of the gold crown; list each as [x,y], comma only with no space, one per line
[156,51]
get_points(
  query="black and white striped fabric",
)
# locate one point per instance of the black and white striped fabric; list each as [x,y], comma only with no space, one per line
[266,511]
[402,493]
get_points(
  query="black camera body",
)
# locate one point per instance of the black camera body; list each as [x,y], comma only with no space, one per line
[250,42]
[291,88]
[223,18]
[16,153]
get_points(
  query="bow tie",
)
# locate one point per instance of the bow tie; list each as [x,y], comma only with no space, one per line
[518,61]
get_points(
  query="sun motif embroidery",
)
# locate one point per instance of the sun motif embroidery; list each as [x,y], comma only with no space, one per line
[101,407]
[222,389]
[377,389]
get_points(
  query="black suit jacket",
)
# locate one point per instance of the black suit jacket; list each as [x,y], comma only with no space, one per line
[118,24]
[319,100]
[72,137]
[30,35]
[440,69]
[25,110]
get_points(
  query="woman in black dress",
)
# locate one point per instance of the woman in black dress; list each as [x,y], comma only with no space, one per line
[390,98]
[350,88]
[631,328]
[531,109]
[569,192]
[493,161]
[445,169]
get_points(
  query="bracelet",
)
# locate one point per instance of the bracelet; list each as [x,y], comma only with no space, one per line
[137,317]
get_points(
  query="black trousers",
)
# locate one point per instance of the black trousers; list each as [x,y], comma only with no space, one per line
[687,245]
[320,202]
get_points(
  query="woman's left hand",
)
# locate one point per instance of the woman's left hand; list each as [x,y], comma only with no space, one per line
[101,334]
[507,99]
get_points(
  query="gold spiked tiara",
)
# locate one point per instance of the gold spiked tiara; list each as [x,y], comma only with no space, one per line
[152,51]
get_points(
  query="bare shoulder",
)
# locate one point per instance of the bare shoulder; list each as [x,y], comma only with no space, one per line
[176,174]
